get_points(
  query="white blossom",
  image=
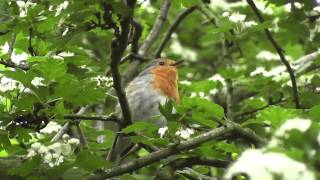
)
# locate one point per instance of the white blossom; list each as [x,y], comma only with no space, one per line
[73,141]
[65,137]
[162,131]
[218,77]
[185,133]
[259,165]
[43,150]
[297,123]
[267,55]
[8,84]
[288,6]
[37,81]
[248,24]
[185,82]
[261,5]
[189,75]
[31,153]
[61,7]
[237,17]
[36,146]
[226,14]
[51,127]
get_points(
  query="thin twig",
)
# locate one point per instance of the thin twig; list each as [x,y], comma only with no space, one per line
[109,118]
[281,55]
[66,126]
[61,132]
[8,63]
[30,48]
[173,28]
[137,32]
[247,134]
[11,45]
[83,140]
[132,69]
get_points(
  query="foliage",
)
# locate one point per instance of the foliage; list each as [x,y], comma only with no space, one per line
[55,61]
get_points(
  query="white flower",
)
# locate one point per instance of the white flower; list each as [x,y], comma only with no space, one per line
[213,91]
[185,133]
[318,138]
[162,131]
[263,166]
[73,141]
[7,84]
[249,24]
[65,137]
[56,147]
[237,17]
[185,82]
[47,158]
[193,94]
[36,81]
[218,77]
[43,150]
[189,75]
[226,14]
[297,123]
[36,146]
[297,5]
[61,7]
[51,127]
[267,55]
[202,94]
[31,153]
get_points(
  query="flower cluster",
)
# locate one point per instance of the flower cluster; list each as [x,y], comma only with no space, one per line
[104,81]
[54,154]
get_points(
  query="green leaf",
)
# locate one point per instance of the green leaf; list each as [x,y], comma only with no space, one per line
[276,115]
[204,105]
[27,167]
[202,118]
[4,140]
[189,3]
[139,127]
[50,69]
[315,113]
[90,161]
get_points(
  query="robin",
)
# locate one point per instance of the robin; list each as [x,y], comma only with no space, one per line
[153,86]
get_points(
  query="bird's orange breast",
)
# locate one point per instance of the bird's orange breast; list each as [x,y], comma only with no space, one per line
[166,82]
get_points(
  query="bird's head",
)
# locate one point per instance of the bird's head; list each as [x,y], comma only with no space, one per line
[165,73]
[163,64]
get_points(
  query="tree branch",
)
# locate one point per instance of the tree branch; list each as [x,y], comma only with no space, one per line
[305,62]
[109,118]
[30,48]
[132,70]
[118,46]
[163,153]
[189,162]
[280,53]
[173,27]
[247,134]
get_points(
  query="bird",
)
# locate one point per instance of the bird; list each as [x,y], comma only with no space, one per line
[155,85]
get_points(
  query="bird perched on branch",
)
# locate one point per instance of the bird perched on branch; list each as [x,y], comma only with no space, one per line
[153,86]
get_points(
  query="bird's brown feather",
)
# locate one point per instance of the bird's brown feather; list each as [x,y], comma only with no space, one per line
[166,81]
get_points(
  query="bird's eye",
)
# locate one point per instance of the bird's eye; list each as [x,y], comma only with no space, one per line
[161,63]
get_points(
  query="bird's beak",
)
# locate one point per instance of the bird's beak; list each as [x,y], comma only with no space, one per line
[177,63]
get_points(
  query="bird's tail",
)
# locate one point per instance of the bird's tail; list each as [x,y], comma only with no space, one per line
[120,147]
